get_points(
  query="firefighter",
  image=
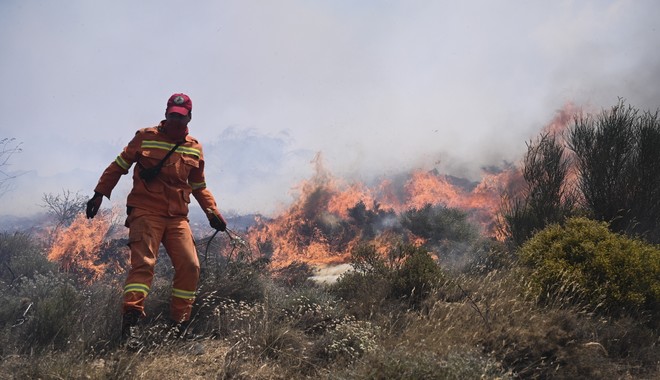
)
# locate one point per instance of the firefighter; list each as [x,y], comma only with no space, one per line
[169,168]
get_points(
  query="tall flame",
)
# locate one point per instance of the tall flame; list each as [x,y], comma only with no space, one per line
[77,247]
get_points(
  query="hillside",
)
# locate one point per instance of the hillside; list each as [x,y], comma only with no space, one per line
[431,296]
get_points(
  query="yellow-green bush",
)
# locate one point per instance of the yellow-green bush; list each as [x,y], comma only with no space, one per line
[417,276]
[583,258]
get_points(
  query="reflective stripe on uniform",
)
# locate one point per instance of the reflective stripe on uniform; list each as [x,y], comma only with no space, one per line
[136,287]
[157,144]
[180,293]
[191,151]
[122,163]
[197,185]
[153,144]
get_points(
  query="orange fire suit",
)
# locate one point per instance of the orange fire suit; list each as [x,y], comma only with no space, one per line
[158,212]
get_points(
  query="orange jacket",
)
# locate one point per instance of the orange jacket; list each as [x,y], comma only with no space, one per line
[169,193]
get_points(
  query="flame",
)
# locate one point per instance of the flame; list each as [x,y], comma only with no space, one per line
[77,248]
[341,201]
[330,216]
[301,233]
[516,185]
[426,188]
[560,123]
[558,128]
[321,228]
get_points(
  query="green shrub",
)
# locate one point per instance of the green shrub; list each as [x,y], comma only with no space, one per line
[488,255]
[406,273]
[369,221]
[366,259]
[363,293]
[366,289]
[417,277]
[40,313]
[603,268]
[21,256]
[439,223]
[545,198]
[312,309]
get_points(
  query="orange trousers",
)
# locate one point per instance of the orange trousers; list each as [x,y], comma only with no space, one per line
[146,232]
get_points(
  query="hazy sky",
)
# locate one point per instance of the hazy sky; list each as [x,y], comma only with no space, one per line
[378,87]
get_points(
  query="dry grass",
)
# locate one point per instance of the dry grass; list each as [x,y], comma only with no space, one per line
[472,326]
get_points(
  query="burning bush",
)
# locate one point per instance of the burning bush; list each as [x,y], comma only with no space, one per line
[331,218]
[77,248]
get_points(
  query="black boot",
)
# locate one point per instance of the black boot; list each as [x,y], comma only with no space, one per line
[130,335]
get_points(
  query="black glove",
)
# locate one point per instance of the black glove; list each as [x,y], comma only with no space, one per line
[94,204]
[217,221]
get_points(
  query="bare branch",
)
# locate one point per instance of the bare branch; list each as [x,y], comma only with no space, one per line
[64,206]
[8,147]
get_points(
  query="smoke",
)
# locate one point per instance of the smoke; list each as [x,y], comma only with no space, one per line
[330,274]
[252,172]
[379,87]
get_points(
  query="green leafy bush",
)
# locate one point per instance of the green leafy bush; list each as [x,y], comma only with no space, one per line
[238,275]
[439,223]
[584,259]
[417,276]
[363,293]
[406,273]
